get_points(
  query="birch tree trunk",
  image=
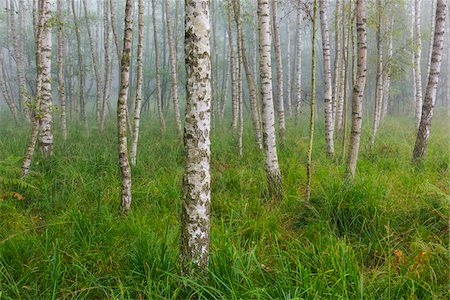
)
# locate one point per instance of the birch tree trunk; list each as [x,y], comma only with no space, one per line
[250,82]
[268,119]
[329,128]
[387,76]
[196,217]
[358,88]
[61,70]
[337,59]
[379,79]
[339,118]
[279,72]
[288,67]
[139,79]
[234,89]
[313,94]
[112,9]
[6,95]
[95,66]
[417,60]
[124,164]
[44,68]
[173,69]
[162,124]
[107,65]
[18,51]
[420,148]
[298,67]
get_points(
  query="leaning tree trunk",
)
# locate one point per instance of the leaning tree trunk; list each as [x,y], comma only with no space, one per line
[162,124]
[268,118]
[4,89]
[417,61]
[139,79]
[124,164]
[196,216]
[250,81]
[279,72]
[329,128]
[173,69]
[420,148]
[61,71]
[112,9]
[358,88]
[45,68]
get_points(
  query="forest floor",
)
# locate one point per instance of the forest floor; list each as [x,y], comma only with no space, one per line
[383,235]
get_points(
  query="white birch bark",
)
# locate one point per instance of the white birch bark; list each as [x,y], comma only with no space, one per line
[234,90]
[298,67]
[173,69]
[387,76]
[61,70]
[268,117]
[417,60]
[107,65]
[279,72]
[124,164]
[288,67]
[358,88]
[420,148]
[139,79]
[4,89]
[337,58]
[329,128]
[196,216]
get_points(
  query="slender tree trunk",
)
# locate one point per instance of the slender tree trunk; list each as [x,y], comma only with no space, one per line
[358,88]
[61,71]
[173,69]
[4,89]
[124,164]
[234,89]
[387,76]
[18,51]
[339,117]
[112,9]
[44,67]
[81,98]
[298,67]
[430,47]
[268,119]
[162,123]
[139,79]
[420,148]
[417,61]
[288,67]
[413,43]
[95,66]
[337,59]
[196,216]
[379,79]
[107,65]
[279,72]
[313,98]
[329,128]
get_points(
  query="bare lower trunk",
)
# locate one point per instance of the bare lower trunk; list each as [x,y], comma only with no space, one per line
[124,164]
[268,118]
[139,79]
[173,69]
[196,207]
[420,148]
[358,88]
[329,128]
[279,72]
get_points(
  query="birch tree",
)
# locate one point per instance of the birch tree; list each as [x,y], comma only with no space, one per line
[268,119]
[420,148]
[279,72]
[358,88]
[417,61]
[61,70]
[329,128]
[162,123]
[298,65]
[124,164]
[195,216]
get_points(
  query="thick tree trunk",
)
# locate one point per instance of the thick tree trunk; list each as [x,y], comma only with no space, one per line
[139,79]
[417,61]
[268,118]
[358,88]
[173,69]
[162,123]
[61,71]
[279,72]
[124,164]
[329,128]
[420,148]
[196,216]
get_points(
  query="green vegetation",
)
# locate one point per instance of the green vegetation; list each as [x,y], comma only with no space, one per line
[382,236]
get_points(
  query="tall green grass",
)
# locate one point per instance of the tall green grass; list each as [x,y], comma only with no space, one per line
[383,235]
